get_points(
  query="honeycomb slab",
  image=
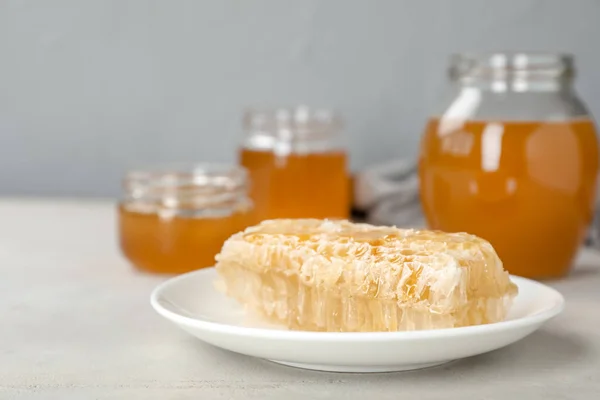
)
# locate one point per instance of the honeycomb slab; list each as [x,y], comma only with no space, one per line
[339,276]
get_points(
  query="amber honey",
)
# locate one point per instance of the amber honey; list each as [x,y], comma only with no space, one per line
[527,187]
[175,219]
[175,244]
[296,185]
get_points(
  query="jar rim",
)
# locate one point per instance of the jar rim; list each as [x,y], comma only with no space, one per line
[174,174]
[500,64]
[296,118]
[186,189]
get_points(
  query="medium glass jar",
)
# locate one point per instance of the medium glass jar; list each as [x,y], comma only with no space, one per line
[297,163]
[512,156]
[175,219]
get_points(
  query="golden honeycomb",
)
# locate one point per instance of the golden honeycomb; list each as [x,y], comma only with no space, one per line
[339,276]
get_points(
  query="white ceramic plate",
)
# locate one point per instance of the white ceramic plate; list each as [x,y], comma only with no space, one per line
[192,302]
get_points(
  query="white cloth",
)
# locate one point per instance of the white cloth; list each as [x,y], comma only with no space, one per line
[389,194]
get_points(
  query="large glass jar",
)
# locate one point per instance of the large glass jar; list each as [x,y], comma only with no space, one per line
[512,156]
[296,162]
[174,219]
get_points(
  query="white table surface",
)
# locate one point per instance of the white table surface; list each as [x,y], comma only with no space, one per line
[76,324]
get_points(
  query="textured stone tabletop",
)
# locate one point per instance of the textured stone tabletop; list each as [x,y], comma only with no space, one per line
[75,323]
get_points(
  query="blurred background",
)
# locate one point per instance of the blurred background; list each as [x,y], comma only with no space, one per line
[90,88]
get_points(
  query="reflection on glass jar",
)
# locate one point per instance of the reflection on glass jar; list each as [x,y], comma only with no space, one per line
[525,179]
[297,164]
[175,219]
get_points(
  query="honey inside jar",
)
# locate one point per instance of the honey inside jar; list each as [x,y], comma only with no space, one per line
[296,164]
[528,187]
[176,220]
[298,185]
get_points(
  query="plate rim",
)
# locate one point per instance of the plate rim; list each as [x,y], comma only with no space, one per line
[282,334]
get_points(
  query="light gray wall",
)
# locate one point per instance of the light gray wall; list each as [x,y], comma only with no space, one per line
[88,88]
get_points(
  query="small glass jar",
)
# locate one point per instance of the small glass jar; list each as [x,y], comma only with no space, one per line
[512,156]
[174,219]
[297,163]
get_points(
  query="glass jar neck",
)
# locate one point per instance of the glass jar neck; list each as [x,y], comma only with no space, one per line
[208,190]
[292,130]
[513,72]
[516,84]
